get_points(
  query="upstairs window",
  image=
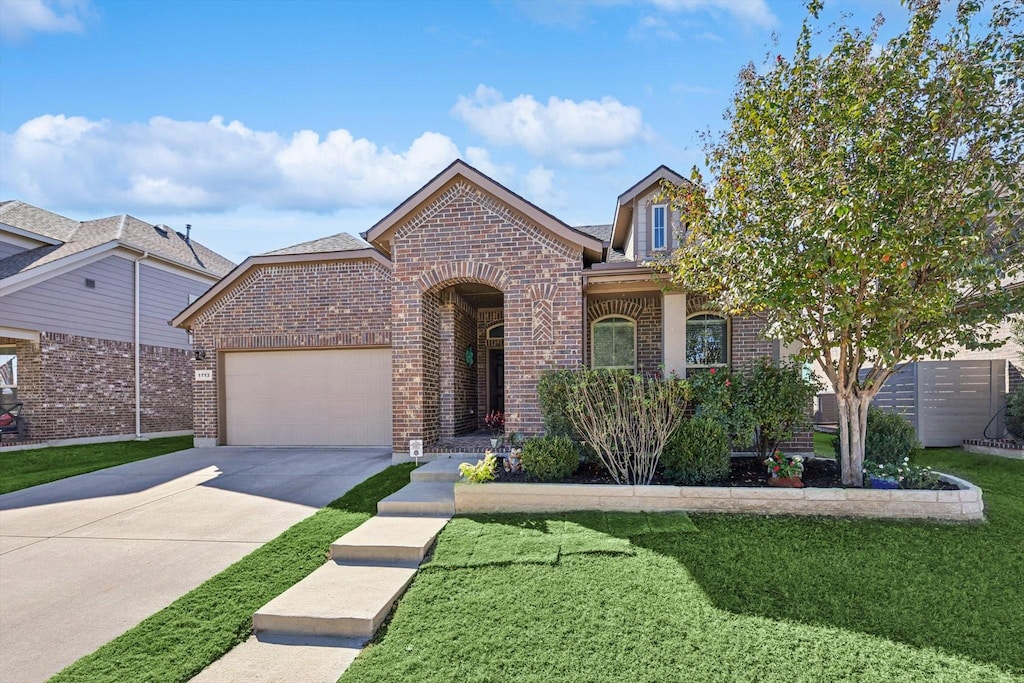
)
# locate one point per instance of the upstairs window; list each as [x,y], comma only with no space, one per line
[613,343]
[707,340]
[658,221]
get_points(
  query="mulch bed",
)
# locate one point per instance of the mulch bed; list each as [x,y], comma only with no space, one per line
[745,471]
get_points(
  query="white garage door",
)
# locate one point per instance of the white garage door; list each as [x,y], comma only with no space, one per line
[337,397]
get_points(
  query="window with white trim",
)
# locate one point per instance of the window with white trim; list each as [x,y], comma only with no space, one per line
[707,340]
[659,221]
[613,343]
[496,331]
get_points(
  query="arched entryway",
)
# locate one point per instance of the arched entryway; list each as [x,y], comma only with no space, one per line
[463,357]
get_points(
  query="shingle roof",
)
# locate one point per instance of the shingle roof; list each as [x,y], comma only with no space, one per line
[341,242]
[40,221]
[80,236]
[601,232]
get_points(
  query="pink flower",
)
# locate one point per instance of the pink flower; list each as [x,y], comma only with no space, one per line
[728,383]
[711,371]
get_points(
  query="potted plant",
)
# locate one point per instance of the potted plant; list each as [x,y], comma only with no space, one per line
[901,475]
[785,471]
[495,421]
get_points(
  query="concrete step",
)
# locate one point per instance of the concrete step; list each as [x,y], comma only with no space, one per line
[420,499]
[401,541]
[442,469]
[272,659]
[341,600]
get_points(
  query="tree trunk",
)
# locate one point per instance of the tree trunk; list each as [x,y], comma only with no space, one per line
[853,412]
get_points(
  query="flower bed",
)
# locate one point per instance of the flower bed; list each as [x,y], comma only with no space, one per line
[962,503]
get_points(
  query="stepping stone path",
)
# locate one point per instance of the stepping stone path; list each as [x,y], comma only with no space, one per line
[314,630]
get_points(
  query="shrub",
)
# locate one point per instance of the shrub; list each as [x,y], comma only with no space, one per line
[718,395]
[481,472]
[550,458]
[890,438]
[697,453]
[778,399]
[552,397]
[1015,413]
[626,418]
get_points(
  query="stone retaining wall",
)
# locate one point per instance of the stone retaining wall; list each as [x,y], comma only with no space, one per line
[960,505]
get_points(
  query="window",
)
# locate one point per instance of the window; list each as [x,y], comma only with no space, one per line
[659,216]
[613,343]
[8,367]
[707,340]
[496,331]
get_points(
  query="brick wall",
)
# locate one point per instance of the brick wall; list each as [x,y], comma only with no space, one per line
[328,304]
[465,235]
[75,387]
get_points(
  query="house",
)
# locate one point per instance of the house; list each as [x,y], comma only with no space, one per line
[84,340]
[453,305]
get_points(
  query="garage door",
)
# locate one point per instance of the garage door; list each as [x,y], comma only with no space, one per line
[337,397]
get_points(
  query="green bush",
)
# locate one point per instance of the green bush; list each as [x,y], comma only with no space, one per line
[550,458]
[697,453]
[480,473]
[779,399]
[1015,413]
[552,394]
[890,438]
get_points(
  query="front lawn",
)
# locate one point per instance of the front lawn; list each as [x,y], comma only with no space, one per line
[21,469]
[741,598]
[198,628]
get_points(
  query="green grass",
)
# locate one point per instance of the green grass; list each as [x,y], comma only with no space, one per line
[182,639]
[823,445]
[21,469]
[742,598]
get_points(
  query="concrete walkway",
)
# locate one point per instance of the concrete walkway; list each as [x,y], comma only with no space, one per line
[313,631]
[84,559]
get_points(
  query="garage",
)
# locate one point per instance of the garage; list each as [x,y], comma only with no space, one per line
[329,397]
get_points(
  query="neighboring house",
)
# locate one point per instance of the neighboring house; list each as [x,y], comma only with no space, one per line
[452,307]
[85,343]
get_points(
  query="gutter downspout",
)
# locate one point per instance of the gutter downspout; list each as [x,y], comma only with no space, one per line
[138,378]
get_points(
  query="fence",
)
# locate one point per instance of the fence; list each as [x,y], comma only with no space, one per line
[946,401]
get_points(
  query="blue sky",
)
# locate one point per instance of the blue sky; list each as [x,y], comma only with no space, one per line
[264,124]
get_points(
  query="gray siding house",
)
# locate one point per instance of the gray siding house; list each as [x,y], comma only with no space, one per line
[84,342]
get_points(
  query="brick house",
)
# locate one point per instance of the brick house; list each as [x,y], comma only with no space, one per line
[84,340]
[453,305]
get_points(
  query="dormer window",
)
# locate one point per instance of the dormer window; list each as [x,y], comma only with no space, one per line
[659,220]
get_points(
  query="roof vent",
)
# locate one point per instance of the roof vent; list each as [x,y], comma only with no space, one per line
[162,229]
[188,233]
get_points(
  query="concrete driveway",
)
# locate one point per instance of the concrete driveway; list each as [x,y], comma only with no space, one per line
[84,559]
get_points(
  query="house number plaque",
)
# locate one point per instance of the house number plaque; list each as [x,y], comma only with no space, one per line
[204,375]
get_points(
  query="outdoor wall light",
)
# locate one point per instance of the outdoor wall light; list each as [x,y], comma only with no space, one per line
[200,353]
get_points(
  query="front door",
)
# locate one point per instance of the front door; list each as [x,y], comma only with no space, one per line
[496,380]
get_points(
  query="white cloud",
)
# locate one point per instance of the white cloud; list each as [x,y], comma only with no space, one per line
[652,27]
[167,164]
[587,133]
[539,187]
[21,18]
[750,12]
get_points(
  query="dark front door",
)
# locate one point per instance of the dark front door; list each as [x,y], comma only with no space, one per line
[496,380]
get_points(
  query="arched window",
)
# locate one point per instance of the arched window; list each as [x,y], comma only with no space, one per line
[496,331]
[707,340]
[613,343]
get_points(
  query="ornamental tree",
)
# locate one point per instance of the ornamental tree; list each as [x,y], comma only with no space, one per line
[865,198]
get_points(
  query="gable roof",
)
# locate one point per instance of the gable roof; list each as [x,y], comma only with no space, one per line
[379,235]
[75,237]
[623,205]
[602,232]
